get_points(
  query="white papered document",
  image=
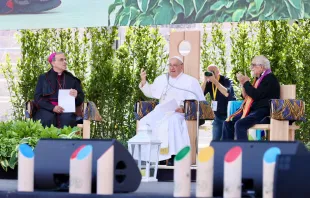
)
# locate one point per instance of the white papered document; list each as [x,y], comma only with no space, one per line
[66,101]
[169,106]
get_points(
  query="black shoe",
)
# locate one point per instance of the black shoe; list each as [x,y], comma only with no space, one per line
[171,161]
[163,162]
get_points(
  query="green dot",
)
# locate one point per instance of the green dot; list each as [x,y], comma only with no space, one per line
[182,153]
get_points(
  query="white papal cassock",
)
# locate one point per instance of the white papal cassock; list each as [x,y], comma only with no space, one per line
[169,127]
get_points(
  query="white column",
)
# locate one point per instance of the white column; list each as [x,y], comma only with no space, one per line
[25,168]
[105,172]
[182,173]
[81,170]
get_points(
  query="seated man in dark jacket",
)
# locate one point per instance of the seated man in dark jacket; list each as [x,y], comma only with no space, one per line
[256,103]
[46,94]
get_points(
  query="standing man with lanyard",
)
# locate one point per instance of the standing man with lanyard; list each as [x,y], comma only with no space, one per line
[221,91]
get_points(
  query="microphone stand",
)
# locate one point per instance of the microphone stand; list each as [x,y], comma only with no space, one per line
[198,113]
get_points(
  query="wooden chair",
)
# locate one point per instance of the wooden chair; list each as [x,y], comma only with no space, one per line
[90,113]
[86,122]
[192,68]
[280,130]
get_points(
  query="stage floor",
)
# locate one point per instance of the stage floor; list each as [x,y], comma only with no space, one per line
[150,188]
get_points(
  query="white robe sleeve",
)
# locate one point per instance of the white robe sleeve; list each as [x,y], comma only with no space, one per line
[196,88]
[154,90]
[146,89]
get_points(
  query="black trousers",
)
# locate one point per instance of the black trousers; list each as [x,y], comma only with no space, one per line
[58,120]
[240,126]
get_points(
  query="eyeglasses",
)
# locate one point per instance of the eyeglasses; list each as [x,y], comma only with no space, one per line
[62,60]
[254,65]
[174,65]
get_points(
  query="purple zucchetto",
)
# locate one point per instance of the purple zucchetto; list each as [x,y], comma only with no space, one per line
[50,58]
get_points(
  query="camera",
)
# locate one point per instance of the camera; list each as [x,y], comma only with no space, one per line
[209,73]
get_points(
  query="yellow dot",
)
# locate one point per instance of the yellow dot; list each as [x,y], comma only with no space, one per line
[206,154]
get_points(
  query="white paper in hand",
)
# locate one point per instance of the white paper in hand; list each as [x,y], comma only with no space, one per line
[66,101]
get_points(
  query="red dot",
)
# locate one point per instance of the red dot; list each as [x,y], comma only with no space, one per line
[10,4]
[233,153]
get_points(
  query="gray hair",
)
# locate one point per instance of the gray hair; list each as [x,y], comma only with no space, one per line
[54,58]
[177,58]
[262,60]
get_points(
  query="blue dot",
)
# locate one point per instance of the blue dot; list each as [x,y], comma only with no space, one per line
[270,155]
[84,152]
[26,150]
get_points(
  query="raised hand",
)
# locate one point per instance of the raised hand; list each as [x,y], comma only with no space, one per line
[143,76]
[242,79]
[211,78]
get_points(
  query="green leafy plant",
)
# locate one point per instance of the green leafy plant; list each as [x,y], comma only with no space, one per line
[280,51]
[308,146]
[159,12]
[14,89]
[206,53]
[14,133]
[100,86]
[219,47]
[301,44]
[243,50]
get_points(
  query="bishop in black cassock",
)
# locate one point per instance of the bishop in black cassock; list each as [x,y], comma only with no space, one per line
[46,94]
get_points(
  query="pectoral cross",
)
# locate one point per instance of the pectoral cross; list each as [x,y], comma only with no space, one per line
[164,96]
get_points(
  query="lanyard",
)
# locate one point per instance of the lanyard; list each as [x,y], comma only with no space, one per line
[214,89]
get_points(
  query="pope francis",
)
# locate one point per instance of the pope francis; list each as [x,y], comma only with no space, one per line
[167,119]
